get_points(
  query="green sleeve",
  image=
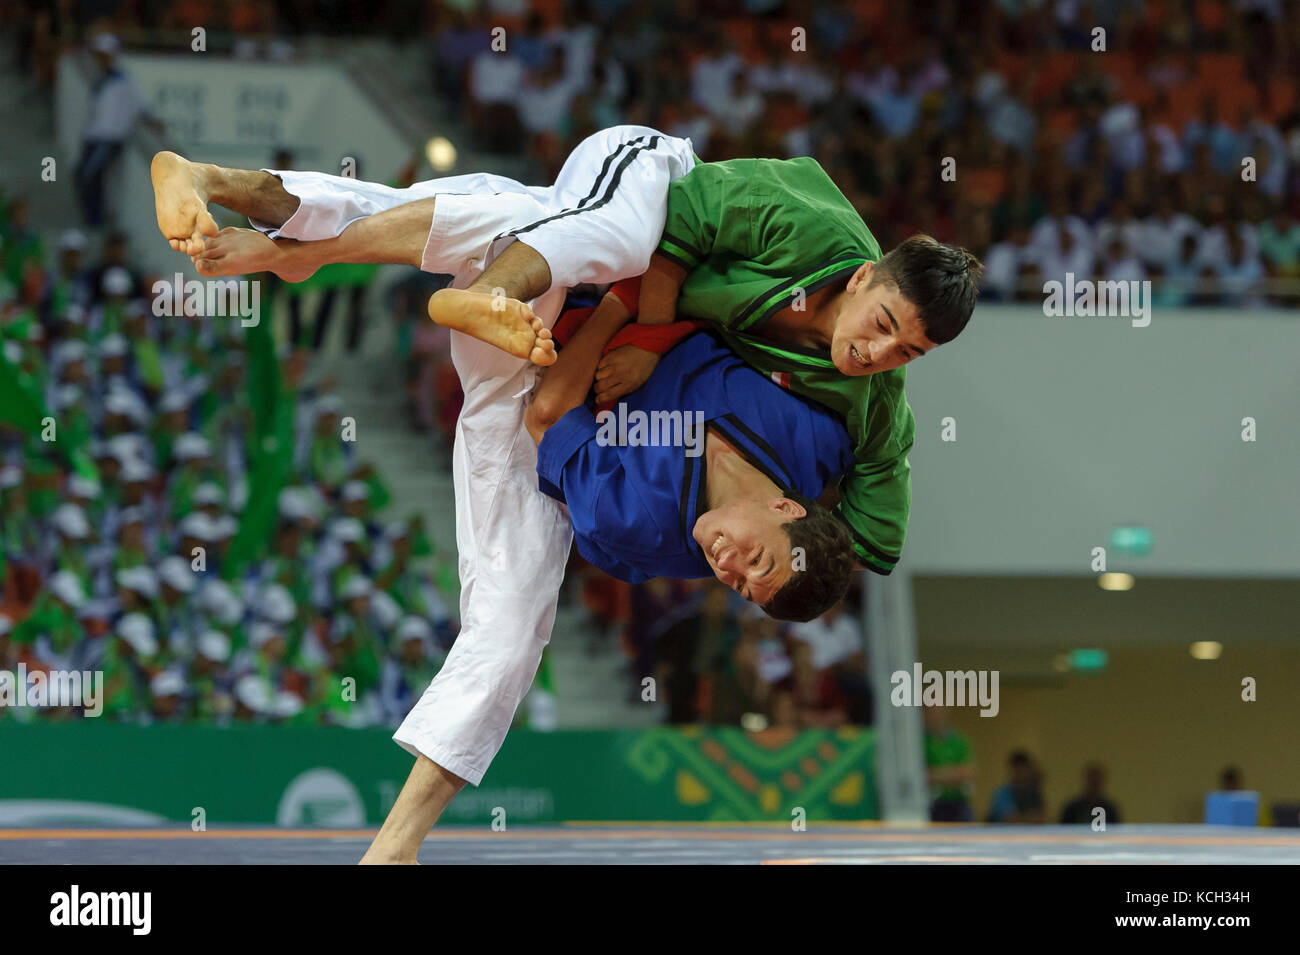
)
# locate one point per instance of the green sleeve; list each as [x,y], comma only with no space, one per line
[876,496]
[708,213]
[874,502]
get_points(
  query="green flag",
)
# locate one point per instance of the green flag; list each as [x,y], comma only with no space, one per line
[271,452]
[21,406]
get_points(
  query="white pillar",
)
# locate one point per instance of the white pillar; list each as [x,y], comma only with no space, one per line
[900,748]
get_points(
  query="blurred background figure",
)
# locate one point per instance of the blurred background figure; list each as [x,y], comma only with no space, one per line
[1020,799]
[115,107]
[1081,808]
[950,768]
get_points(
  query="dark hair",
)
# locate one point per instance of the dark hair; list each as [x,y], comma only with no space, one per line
[828,550]
[942,281]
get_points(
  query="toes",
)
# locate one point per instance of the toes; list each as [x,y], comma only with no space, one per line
[542,356]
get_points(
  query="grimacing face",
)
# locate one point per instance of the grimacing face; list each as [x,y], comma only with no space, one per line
[747,546]
[878,330]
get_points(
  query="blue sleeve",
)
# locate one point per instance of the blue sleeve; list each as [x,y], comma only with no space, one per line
[558,445]
[575,468]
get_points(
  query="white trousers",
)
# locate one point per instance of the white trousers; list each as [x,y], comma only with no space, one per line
[599,223]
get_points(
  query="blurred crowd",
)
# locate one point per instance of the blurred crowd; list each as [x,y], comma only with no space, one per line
[710,657]
[1164,148]
[1113,139]
[1019,799]
[122,545]
[950,770]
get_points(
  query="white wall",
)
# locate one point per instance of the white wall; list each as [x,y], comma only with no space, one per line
[1067,427]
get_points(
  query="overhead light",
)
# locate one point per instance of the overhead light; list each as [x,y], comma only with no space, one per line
[441,153]
[1206,649]
[1115,581]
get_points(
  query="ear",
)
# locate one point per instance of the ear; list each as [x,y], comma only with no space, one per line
[861,278]
[791,509]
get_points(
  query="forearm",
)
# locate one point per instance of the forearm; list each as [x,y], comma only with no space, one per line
[566,385]
[660,286]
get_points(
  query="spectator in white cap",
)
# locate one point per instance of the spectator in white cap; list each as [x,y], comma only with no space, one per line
[114,109]
[70,521]
[124,410]
[327,457]
[253,698]
[197,529]
[411,670]
[137,589]
[353,546]
[73,533]
[287,705]
[69,359]
[88,494]
[276,609]
[137,631]
[288,564]
[214,647]
[71,283]
[221,604]
[173,421]
[209,676]
[137,479]
[178,621]
[168,691]
[356,643]
[192,447]
[209,498]
[128,664]
[132,546]
[51,627]
[192,454]
[355,498]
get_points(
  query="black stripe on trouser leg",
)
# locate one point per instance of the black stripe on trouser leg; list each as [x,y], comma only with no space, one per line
[604,168]
[604,200]
[595,187]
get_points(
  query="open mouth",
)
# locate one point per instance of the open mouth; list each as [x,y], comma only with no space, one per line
[715,547]
[857,356]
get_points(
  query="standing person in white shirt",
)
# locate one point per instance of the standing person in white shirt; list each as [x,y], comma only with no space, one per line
[115,107]
[838,657]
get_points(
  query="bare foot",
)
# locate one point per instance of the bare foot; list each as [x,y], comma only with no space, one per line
[180,201]
[507,323]
[243,251]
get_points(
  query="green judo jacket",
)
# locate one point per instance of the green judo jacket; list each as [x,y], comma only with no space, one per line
[752,235]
